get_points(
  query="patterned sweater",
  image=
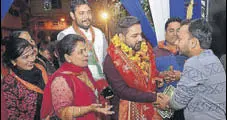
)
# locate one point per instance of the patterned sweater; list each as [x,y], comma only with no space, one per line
[201,91]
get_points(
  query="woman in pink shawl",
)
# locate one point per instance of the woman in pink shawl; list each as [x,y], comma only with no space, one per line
[71,92]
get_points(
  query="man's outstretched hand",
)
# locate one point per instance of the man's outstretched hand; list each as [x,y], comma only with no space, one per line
[162,101]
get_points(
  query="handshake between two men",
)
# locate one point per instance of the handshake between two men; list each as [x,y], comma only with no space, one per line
[163,99]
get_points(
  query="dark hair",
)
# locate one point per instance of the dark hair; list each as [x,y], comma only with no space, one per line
[5,40]
[51,47]
[67,45]
[43,46]
[185,22]
[170,20]
[125,23]
[14,48]
[201,30]
[53,36]
[41,35]
[16,34]
[75,3]
[48,46]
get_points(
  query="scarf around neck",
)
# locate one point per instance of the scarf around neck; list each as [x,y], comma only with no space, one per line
[47,108]
[33,76]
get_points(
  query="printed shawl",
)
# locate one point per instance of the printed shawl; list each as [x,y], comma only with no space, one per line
[135,78]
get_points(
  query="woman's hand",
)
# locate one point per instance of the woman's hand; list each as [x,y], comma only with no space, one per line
[100,109]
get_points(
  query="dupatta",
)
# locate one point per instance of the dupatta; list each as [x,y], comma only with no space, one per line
[70,73]
[29,85]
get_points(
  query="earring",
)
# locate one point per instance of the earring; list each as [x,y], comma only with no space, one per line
[14,64]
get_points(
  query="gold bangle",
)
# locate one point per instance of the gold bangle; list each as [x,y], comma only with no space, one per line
[79,111]
[73,112]
[63,112]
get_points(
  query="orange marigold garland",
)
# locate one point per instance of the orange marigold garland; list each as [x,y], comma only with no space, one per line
[142,57]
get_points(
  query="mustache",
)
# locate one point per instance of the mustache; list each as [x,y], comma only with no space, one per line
[137,46]
[139,43]
[89,20]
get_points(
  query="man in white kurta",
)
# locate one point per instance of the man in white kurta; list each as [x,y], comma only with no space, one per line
[81,24]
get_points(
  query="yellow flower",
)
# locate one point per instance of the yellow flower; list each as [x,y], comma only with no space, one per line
[137,54]
[146,58]
[143,64]
[145,73]
[130,52]
[135,58]
[116,41]
[140,57]
[144,47]
[124,47]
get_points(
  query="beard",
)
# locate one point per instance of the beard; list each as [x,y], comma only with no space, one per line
[81,25]
[184,52]
[137,46]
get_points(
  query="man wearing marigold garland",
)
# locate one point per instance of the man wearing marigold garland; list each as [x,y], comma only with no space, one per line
[131,72]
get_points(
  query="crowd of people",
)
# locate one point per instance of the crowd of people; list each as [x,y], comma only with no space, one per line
[82,77]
